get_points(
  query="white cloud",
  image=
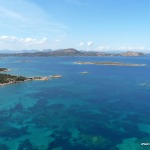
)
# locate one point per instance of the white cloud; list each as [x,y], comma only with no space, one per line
[12,42]
[132,48]
[103,48]
[27,40]
[33,40]
[121,48]
[90,43]
[8,39]
[81,44]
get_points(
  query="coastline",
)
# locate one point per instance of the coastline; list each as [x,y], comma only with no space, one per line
[6,79]
[4,70]
[27,79]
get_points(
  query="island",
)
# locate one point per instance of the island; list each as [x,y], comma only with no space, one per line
[56,76]
[107,63]
[144,84]
[10,79]
[84,72]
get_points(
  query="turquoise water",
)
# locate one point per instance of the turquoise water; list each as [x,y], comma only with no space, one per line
[107,109]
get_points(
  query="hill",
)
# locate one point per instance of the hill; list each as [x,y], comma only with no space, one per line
[69,52]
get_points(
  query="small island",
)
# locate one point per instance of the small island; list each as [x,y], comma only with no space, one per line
[84,72]
[108,63]
[144,84]
[56,76]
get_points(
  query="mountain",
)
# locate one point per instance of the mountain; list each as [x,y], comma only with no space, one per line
[67,52]
[47,50]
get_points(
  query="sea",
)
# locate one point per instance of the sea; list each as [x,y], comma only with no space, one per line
[106,109]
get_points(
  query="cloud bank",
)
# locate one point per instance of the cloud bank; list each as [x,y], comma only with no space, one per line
[90,43]
[121,48]
[9,42]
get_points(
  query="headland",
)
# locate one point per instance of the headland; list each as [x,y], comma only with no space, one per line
[11,79]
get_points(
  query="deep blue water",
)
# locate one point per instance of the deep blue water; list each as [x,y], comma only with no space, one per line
[107,109]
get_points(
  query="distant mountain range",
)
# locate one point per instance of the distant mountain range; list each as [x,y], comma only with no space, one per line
[5,51]
[65,52]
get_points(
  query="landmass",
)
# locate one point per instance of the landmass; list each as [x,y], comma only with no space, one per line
[10,79]
[67,52]
[4,69]
[108,63]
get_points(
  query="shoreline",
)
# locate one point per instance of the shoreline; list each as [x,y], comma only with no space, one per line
[6,79]
[28,79]
[4,70]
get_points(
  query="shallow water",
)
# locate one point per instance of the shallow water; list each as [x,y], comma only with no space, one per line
[107,109]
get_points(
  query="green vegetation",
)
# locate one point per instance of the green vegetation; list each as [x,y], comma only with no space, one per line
[3,69]
[7,78]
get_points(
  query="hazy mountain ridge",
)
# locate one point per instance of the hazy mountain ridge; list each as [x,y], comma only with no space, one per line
[67,52]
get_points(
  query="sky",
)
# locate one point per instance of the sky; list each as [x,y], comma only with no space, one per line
[101,25]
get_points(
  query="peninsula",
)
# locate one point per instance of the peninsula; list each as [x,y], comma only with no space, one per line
[3,69]
[108,63]
[10,79]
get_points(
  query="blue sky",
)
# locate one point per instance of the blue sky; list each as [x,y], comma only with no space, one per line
[104,25]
